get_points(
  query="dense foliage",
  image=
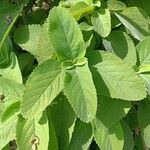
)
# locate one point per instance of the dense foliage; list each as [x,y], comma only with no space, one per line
[75,74]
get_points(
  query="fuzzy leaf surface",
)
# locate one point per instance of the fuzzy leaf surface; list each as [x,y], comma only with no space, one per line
[81,93]
[144,58]
[102,22]
[80,9]
[13,71]
[144,55]
[82,136]
[8,131]
[115,5]
[65,35]
[116,79]
[136,21]
[122,45]
[12,90]
[108,138]
[33,134]
[44,84]
[35,40]
[111,108]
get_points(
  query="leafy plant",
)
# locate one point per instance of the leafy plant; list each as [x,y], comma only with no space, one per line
[74,75]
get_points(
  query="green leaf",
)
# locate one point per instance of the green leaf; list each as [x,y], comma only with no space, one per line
[68,64]
[85,27]
[111,108]
[90,39]
[13,71]
[5,50]
[136,21]
[80,61]
[44,84]
[12,90]
[122,45]
[8,15]
[53,142]
[115,21]
[69,3]
[116,79]
[35,40]
[144,69]
[25,133]
[62,118]
[8,123]
[65,35]
[146,79]
[144,121]
[139,144]
[10,93]
[37,16]
[24,60]
[45,51]
[143,51]
[144,4]
[8,131]
[102,22]
[81,93]
[132,118]
[82,136]
[115,5]
[6,147]
[12,110]
[80,9]
[144,55]
[128,137]
[32,134]
[108,138]
[42,131]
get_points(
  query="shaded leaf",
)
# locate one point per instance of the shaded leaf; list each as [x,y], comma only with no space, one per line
[122,45]
[116,79]
[128,137]
[108,138]
[64,123]
[35,40]
[136,21]
[82,136]
[102,22]
[144,121]
[8,15]
[111,108]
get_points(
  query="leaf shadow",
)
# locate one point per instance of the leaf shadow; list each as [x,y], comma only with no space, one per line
[62,117]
